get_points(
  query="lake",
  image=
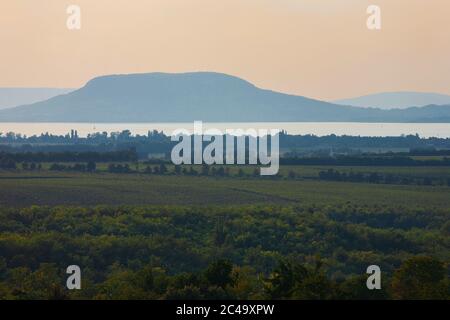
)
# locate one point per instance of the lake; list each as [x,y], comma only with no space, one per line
[441,130]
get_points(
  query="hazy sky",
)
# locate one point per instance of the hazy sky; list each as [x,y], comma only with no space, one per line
[315,48]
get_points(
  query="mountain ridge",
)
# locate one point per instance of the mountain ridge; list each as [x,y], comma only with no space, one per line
[206,96]
[12,97]
[396,100]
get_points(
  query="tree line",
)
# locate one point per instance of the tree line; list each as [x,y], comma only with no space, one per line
[383,178]
[418,278]
[159,142]
[365,160]
[68,156]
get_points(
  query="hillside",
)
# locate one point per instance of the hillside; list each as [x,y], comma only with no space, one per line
[12,97]
[214,97]
[396,100]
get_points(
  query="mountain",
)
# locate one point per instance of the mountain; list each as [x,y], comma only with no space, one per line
[11,97]
[206,96]
[396,100]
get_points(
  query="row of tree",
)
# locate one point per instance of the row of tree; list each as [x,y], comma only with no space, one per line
[294,141]
[368,160]
[69,156]
[79,167]
[377,177]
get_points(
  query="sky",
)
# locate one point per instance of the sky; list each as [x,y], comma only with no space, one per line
[315,48]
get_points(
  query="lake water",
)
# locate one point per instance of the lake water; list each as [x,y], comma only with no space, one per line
[441,130]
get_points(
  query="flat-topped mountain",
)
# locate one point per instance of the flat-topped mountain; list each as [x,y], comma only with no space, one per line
[206,96]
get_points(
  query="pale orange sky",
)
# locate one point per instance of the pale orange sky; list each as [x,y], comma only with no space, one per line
[316,48]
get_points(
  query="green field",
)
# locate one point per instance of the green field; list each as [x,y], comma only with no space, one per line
[20,188]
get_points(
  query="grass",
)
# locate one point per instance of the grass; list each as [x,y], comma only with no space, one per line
[19,188]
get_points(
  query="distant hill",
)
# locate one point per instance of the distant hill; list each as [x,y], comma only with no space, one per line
[12,97]
[206,96]
[396,100]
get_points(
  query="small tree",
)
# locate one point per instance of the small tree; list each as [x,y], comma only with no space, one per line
[148,170]
[420,278]
[91,166]
[162,168]
[205,170]
[219,273]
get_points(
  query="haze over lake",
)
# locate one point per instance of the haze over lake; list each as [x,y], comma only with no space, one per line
[441,130]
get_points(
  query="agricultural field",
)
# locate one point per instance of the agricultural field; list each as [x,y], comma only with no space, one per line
[21,188]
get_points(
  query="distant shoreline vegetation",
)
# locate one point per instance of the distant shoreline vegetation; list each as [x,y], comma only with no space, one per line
[293,140]
[424,130]
[126,135]
[405,150]
[73,134]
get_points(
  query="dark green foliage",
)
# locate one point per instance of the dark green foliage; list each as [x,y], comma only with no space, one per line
[91,166]
[7,162]
[223,252]
[376,177]
[119,168]
[421,278]
[162,168]
[219,274]
[68,156]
